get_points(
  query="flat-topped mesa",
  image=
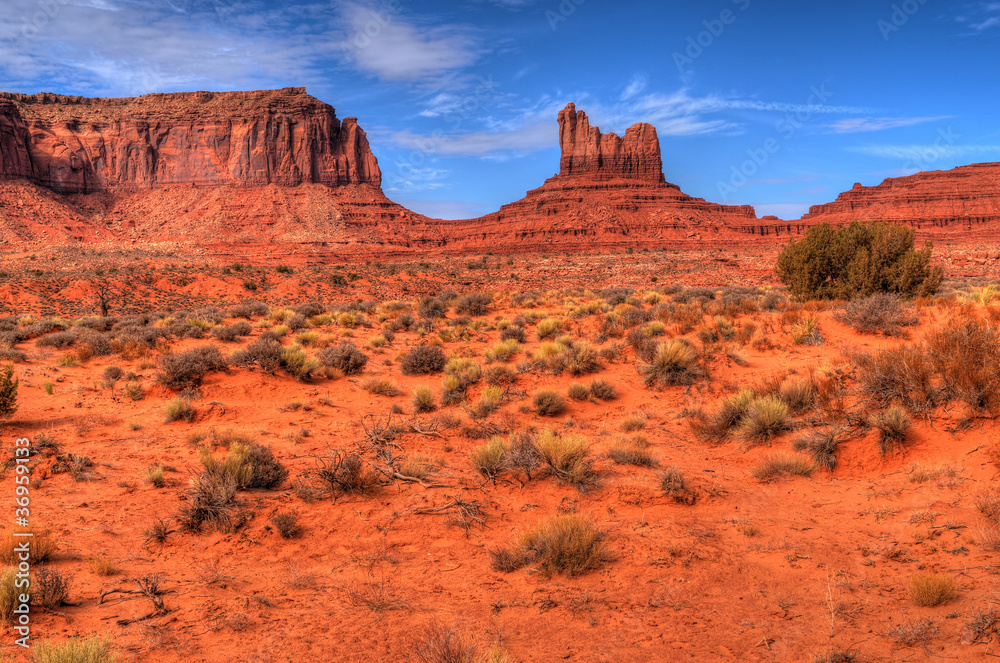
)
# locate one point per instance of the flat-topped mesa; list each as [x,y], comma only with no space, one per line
[932,202]
[588,152]
[80,145]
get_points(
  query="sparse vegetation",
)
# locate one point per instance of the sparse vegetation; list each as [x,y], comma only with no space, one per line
[931,589]
[569,545]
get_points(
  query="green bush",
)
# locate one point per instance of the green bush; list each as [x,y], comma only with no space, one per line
[858,260]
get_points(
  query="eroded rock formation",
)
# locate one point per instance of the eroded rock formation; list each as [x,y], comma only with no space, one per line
[247,139]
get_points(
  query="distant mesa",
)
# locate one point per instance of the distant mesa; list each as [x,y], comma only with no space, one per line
[233,170]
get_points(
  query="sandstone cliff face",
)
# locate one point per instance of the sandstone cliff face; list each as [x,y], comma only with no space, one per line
[934,203]
[247,139]
[588,152]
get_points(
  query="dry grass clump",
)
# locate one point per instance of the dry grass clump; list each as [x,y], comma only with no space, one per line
[881,313]
[930,589]
[41,546]
[549,402]
[603,390]
[798,393]
[633,422]
[966,356]
[445,645]
[342,473]
[250,464]
[179,408]
[765,418]
[898,375]
[807,332]
[475,304]
[674,485]
[423,399]
[490,459]
[102,565]
[567,457]
[838,656]
[287,524]
[211,500]
[823,447]
[782,464]
[380,386]
[50,588]
[568,544]
[632,451]
[715,427]
[674,363]
[74,650]
[548,328]
[893,425]
[9,594]
[578,392]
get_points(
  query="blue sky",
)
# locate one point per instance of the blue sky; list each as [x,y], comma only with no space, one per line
[779,104]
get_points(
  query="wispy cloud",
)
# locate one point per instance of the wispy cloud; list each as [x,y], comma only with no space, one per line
[986,15]
[868,124]
[636,87]
[390,47]
[920,151]
[515,141]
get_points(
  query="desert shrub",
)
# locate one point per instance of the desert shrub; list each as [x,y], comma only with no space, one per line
[8,392]
[567,457]
[563,544]
[433,307]
[675,363]
[50,588]
[549,402]
[74,650]
[490,459]
[631,452]
[823,447]
[766,417]
[211,501]
[966,356]
[41,546]
[476,304]
[504,350]
[185,369]
[674,486]
[465,371]
[111,374]
[603,390]
[264,353]
[179,408]
[155,476]
[798,393]
[342,472]
[881,313]
[98,345]
[248,308]
[513,333]
[715,427]
[287,524]
[807,332]
[581,359]
[423,359]
[578,392]
[58,340]
[134,390]
[782,464]
[297,363]
[857,261]
[893,425]
[344,357]
[230,333]
[930,589]
[548,327]
[250,464]
[838,656]
[489,400]
[423,399]
[500,376]
[897,375]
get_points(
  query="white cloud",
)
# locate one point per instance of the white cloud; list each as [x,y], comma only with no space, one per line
[867,124]
[924,152]
[637,86]
[386,45]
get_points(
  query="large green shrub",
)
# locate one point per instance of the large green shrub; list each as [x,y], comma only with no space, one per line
[857,261]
